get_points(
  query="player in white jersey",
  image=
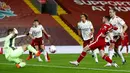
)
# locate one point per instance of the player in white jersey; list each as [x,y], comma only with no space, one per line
[86,30]
[116,34]
[36,33]
[13,53]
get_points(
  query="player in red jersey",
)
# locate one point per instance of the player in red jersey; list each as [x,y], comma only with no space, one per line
[125,43]
[36,33]
[99,43]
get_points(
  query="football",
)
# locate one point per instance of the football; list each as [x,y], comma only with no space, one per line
[52,49]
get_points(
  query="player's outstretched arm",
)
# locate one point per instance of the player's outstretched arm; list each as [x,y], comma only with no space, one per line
[46,34]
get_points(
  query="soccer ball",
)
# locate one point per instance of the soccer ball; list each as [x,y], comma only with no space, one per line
[52,49]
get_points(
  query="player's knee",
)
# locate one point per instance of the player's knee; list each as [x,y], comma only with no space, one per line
[25,47]
[86,49]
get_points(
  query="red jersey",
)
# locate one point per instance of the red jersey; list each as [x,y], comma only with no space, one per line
[99,42]
[125,41]
[104,30]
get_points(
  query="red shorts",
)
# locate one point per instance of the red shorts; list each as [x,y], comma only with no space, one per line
[37,42]
[98,43]
[87,42]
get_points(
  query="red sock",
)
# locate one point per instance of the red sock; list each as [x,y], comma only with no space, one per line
[48,57]
[107,58]
[82,55]
[127,49]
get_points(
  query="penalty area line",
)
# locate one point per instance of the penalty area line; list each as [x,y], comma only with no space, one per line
[79,68]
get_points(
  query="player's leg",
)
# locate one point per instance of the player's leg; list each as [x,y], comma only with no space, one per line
[37,48]
[45,53]
[30,53]
[81,57]
[118,48]
[106,58]
[111,50]
[94,52]
[17,52]
[30,56]
[19,62]
[91,46]
[120,54]
[127,49]
[31,49]
[14,57]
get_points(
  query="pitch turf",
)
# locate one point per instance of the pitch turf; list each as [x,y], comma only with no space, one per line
[60,64]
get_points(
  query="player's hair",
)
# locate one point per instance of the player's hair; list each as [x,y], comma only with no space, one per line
[36,20]
[113,9]
[86,16]
[10,30]
[107,17]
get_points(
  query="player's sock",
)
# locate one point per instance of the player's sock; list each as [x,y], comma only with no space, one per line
[31,49]
[107,58]
[120,53]
[82,55]
[46,55]
[22,64]
[30,56]
[111,53]
[127,49]
[39,59]
[95,56]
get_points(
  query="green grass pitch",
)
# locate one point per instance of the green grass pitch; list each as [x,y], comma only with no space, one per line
[60,64]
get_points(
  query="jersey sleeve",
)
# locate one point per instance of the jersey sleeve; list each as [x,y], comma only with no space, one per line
[10,36]
[30,31]
[91,25]
[42,28]
[121,21]
[79,25]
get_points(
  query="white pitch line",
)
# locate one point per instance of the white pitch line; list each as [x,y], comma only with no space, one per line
[66,67]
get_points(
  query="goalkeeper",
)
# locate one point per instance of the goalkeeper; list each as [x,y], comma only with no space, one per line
[13,53]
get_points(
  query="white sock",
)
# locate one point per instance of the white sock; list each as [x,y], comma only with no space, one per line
[111,53]
[39,58]
[22,64]
[120,53]
[45,55]
[95,56]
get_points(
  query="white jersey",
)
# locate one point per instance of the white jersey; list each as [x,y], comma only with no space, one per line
[85,29]
[9,45]
[36,32]
[118,22]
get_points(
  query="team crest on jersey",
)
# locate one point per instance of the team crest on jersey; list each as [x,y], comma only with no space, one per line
[5,10]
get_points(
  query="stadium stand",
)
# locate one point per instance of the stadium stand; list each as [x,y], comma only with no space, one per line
[74,10]
[23,21]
